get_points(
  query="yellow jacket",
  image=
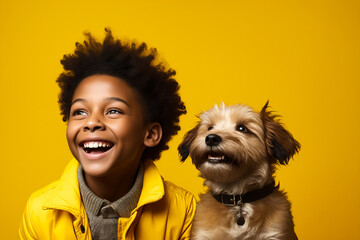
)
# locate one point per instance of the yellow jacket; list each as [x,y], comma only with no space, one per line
[164,211]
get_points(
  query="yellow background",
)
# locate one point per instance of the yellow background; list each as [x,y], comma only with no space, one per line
[302,55]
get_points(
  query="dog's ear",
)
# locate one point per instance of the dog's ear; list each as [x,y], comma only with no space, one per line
[280,143]
[184,147]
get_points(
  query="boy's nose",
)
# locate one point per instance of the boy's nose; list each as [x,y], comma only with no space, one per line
[94,124]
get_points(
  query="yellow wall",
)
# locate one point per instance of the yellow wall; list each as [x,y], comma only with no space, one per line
[302,55]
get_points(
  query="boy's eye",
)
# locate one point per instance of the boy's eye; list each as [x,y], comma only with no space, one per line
[79,112]
[114,111]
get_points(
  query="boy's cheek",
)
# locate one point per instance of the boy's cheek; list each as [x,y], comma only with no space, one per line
[70,137]
[68,134]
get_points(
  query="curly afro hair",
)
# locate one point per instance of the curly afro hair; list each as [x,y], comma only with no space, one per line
[139,67]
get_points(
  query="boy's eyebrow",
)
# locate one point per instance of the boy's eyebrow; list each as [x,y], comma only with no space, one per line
[78,100]
[118,99]
[110,98]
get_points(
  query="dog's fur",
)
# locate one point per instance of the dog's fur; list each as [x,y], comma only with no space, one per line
[250,159]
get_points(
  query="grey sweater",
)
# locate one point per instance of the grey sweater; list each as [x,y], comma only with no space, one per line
[102,214]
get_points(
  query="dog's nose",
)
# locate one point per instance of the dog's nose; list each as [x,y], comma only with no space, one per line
[212,140]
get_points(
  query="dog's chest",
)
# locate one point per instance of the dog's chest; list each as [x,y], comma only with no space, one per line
[214,220]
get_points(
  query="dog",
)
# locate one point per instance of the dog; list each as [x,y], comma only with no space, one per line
[236,151]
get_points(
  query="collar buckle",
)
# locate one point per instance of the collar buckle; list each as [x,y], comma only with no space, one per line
[239,202]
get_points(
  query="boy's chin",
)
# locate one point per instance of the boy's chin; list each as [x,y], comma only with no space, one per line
[96,168]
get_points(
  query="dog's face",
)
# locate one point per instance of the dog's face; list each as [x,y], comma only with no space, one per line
[232,141]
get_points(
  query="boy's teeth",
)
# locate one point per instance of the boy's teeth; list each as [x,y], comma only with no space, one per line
[96,145]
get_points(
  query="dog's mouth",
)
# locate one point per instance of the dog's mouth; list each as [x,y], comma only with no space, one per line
[218,158]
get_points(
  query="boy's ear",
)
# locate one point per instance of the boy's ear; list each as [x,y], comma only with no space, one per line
[184,147]
[153,135]
[280,143]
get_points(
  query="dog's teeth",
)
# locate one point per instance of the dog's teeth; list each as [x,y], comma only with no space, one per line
[216,158]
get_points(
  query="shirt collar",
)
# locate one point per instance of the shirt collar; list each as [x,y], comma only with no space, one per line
[119,208]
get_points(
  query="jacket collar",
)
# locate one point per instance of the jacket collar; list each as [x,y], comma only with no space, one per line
[66,194]
[153,185]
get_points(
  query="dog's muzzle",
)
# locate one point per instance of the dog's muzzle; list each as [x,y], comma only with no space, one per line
[212,140]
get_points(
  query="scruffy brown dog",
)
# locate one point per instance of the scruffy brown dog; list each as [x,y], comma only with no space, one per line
[236,150]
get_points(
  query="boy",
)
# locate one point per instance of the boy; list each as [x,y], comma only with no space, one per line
[122,110]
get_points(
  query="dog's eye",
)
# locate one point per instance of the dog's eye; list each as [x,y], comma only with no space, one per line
[211,127]
[242,128]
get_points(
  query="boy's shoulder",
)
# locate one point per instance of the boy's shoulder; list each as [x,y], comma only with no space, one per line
[34,216]
[178,196]
[177,190]
[153,176]
[59,191]
[39,196]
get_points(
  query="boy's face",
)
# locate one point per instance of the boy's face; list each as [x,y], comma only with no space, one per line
[106,129]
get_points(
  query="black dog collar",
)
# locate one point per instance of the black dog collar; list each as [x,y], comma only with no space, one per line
[240,199]
[246,197]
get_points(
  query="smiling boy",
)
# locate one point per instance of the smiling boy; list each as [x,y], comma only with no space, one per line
[121,109]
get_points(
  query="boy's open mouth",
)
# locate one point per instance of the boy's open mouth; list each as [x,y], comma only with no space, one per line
[96,146]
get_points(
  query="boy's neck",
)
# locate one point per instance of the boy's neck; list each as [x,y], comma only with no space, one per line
[112,187]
